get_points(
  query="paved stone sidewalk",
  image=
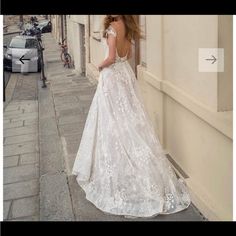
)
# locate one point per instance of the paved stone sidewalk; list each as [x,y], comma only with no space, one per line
[69,100]
[21,161]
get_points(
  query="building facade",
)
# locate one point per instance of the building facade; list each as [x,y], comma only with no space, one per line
[191,110]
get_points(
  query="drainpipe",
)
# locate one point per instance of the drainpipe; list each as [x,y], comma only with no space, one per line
[89,39]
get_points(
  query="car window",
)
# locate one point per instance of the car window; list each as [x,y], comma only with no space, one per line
[23,43]
[43,23]
[31,43]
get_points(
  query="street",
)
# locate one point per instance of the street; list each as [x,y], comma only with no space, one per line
[42,132]
[7,77]
[6,40]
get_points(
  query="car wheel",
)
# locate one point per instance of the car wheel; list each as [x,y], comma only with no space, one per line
[8,69]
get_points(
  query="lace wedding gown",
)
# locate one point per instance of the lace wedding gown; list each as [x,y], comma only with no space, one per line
[120,163]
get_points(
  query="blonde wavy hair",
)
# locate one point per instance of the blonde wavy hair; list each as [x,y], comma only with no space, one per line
[132,30]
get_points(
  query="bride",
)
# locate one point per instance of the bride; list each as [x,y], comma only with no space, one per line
[120,163]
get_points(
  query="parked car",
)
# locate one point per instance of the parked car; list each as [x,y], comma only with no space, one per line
[32,30]
[23,45]
[45,26]
[27,26]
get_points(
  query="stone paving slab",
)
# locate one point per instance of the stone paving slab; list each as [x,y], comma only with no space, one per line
[29,118]
[12,107]
[25,207]
[70,119]
[71,107]
[21,164]
[11,161]
[65,99]
[16,124]
[70,158]
[6,209]
[52,163]
[20,173]
[55,202]
[29,158]
[48,126]
[21,116]
[73,138]
[26,87]
[29,218]
[13,113]
[20,131]
[71,128]
[72,147]
[20,139]
[64,111]
[46,107]
[21,189]
[6,121]
[33,121]
[49,144]
[20,148]
[69,91]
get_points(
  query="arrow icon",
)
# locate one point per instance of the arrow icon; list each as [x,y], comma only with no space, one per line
[213,59]
[23,59]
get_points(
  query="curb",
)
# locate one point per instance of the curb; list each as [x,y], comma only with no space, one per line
[55,200]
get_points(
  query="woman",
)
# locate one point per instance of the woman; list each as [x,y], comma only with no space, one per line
[120,163]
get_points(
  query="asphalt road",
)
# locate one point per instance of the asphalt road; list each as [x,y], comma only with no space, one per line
[7,75]
[6,40]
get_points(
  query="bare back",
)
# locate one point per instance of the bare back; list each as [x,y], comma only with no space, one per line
[123,46]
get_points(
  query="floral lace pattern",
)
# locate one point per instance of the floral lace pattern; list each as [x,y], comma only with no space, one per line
[120,163]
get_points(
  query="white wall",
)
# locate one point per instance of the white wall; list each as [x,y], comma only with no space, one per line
[183,104]
[183,36]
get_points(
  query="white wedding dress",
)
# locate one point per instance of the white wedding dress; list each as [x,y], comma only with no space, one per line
[120,163]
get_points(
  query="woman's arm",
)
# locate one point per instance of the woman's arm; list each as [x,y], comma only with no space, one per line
[111,40]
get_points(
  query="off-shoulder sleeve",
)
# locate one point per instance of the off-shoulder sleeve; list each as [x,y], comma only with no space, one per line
[111,30]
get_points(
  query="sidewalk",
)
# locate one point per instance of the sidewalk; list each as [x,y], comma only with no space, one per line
[63,109]
[21,153]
